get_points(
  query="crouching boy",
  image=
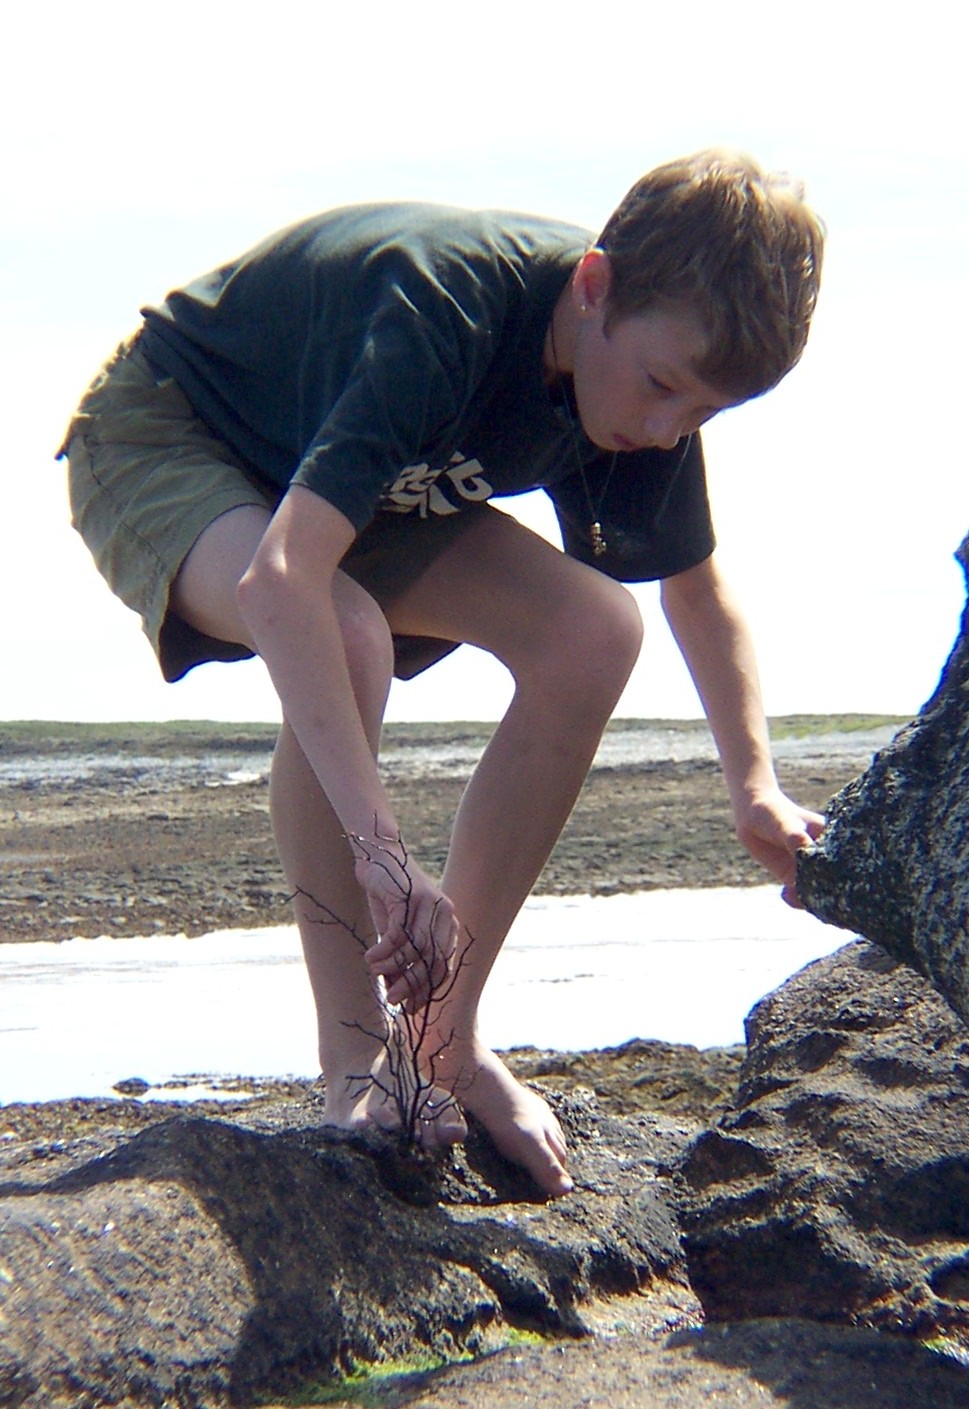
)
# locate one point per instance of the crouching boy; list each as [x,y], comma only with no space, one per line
[295,456]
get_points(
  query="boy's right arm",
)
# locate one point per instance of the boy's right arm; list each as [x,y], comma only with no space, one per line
[286,600]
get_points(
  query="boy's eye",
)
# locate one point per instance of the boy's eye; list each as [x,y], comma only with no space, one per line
[658,385]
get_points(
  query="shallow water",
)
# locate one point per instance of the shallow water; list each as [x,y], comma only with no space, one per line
[124,769]
[576,972]
[438,757]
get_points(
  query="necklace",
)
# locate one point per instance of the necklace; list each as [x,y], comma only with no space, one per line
[599,544]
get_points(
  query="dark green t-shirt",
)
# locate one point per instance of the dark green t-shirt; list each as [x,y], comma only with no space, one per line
[389,358]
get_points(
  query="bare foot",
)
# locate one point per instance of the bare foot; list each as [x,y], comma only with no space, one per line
[519,1122]
[387,1095]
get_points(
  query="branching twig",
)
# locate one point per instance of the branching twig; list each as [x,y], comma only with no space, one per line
[414,1043]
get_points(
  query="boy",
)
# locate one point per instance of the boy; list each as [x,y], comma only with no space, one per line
[293,457]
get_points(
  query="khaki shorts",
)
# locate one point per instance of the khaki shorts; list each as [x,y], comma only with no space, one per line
[147,477]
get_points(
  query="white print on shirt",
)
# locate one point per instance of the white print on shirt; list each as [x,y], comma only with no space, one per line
[425,490]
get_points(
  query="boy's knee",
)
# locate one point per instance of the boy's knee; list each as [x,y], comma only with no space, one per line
[612,630]
[592,644]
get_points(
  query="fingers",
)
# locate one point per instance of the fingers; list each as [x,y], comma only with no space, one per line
[418,935]
[804,829]
[795,835]
[774,830]
[814,825]
[409,939]
[431,937]
[412,982]
[411,974]
[790,897]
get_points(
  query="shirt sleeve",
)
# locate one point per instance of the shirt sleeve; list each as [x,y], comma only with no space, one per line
[396,407]
[652,506]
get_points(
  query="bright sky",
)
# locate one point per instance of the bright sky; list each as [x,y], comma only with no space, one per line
[146,143]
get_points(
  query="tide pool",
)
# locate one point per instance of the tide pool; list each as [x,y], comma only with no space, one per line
[576,972]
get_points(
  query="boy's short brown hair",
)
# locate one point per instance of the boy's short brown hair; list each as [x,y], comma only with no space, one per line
[736,244]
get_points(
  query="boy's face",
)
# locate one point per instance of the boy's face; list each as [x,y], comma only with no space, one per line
[635,380]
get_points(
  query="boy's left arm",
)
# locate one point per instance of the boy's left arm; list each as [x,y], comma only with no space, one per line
[713,636]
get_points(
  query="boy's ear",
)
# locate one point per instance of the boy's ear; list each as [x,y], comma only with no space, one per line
[593,281]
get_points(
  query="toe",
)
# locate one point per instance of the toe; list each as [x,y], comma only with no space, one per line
[548,1171]
[445,1126]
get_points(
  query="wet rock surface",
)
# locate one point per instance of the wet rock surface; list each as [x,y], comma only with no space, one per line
[208,1259]
[723,1245]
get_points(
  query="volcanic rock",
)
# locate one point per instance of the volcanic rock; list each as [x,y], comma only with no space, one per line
[205,1261]
[893,862]
[838,1189]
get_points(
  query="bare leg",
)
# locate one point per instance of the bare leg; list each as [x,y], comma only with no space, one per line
[335,926]
[331,912]
[570,638]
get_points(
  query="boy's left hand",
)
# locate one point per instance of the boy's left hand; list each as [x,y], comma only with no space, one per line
[774,829]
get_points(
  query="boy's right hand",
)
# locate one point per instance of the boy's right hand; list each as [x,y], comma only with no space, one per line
[416,924]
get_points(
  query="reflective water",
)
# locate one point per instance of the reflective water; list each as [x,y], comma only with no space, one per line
[680,966]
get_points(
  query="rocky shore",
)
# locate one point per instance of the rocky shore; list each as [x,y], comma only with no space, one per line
[781,1224]
[140,848]
[778,1226]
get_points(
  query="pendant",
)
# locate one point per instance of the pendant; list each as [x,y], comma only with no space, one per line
[598,542]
